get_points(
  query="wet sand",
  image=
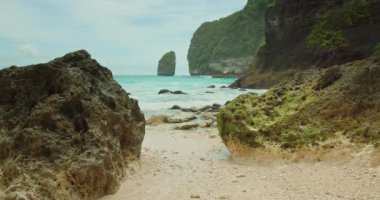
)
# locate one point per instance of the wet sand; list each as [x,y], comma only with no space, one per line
[195,164]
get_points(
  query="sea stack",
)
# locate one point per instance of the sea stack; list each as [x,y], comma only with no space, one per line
[67,130]
[166,65]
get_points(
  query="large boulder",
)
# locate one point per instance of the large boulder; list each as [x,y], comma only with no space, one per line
[318,33]
[226,47]
[315,108]
[67,130]
[166,65]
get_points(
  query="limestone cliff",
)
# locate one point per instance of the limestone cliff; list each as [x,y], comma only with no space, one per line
[67,130]
[327,108]
[166,65]
[226,47]
[313,33]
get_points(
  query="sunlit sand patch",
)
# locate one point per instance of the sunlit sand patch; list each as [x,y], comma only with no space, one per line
[361,155]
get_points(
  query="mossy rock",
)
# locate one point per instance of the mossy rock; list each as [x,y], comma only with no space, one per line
[309,109]
[331,75]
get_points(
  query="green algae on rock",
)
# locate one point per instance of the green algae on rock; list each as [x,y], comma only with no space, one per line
[166,65]
[308,110]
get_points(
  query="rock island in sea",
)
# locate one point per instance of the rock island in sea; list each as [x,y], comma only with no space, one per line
[166,65]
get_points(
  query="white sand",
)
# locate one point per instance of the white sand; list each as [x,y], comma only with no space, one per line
[180,164]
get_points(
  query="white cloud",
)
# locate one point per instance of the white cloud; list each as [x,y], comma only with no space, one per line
[29,50]
[126,34]
[20,54]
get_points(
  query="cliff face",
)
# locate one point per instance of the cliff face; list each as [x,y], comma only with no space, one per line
[226,46]
[314,33]
[67,130]
[166,65]
[316,108]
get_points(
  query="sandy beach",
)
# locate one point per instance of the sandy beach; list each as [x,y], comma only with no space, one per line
[177,164]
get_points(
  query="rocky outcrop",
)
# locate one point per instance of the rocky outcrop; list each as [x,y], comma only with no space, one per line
[316,108]
[187,126]
[166,65]
[208,108]
[188,118]
[67,130]
[166,91]
[226,47]
[317,33]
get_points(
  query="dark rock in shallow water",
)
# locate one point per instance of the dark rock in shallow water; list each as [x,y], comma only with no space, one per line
[175,107]
[189,110]
[178,92]
[67,130]
[208,92]
[209,108]
[166,91]
[211,86]
[224,86]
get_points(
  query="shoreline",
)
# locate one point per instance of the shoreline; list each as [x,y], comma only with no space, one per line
[195,164]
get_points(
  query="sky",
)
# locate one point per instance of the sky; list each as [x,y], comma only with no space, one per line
[127,36]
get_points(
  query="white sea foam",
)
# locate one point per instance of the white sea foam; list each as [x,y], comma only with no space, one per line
[145,89]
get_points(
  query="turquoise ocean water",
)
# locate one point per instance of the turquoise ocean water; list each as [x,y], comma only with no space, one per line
[145,89]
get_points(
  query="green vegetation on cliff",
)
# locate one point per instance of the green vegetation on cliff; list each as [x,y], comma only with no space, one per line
[327,32]
[314,108]
[326,36]
[166,65]
[303,34]
[377,50]
[356,12]
[238,35]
